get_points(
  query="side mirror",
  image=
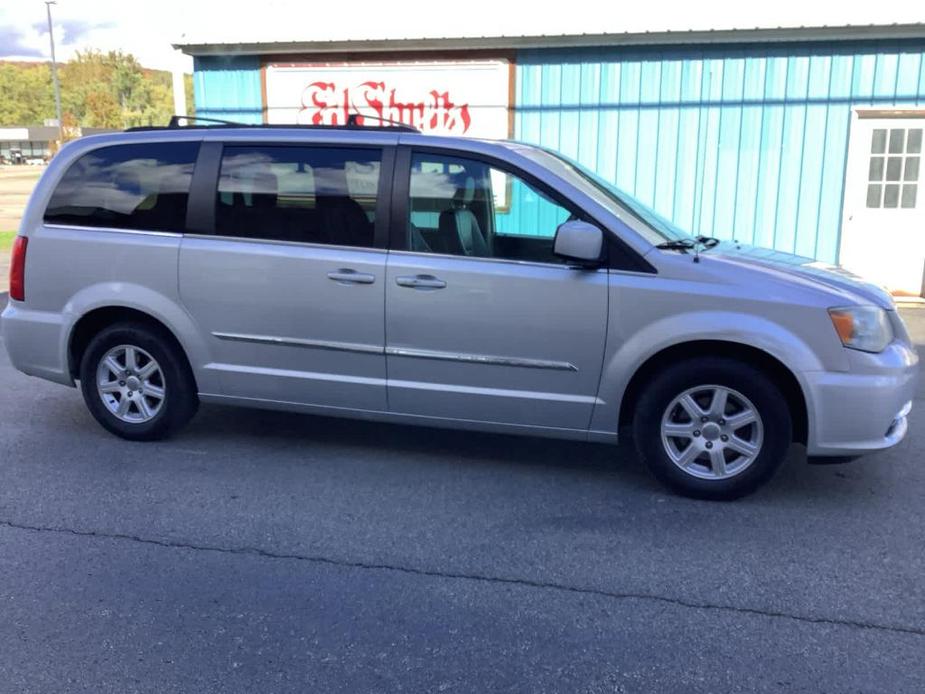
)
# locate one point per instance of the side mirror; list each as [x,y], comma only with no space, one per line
[579,241]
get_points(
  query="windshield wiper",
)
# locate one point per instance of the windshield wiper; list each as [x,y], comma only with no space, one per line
[707,241]
[677,245]
[694,244]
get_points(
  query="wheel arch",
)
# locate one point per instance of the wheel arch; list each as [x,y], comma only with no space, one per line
[781,375]
[92,322]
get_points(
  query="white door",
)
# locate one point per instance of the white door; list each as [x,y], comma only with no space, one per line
[883,230]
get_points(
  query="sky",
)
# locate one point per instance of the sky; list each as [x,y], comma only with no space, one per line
[147,29]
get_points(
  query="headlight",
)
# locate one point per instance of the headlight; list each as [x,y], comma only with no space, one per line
[866,328]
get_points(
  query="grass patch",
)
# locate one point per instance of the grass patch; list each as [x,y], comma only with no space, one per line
[6,240]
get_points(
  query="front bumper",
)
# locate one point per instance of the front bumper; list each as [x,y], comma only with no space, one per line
[865,408]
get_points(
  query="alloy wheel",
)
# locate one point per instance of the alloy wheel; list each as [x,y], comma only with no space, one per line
[712,432]
[131,384]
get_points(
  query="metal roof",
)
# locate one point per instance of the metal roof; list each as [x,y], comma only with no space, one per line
[197,46]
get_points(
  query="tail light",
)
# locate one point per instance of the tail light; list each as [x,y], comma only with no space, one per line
[18,269]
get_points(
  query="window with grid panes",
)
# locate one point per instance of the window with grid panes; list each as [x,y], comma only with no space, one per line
[893,171]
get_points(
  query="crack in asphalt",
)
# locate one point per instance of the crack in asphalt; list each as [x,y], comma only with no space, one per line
[432,573]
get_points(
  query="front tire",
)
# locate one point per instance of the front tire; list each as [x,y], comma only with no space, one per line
[137,383]
[712,428]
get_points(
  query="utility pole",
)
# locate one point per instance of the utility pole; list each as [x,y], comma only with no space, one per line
[54,72]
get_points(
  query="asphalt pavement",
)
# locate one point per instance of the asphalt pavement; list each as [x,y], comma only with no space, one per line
[265,552]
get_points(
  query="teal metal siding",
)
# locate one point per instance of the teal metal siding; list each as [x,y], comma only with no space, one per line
[748,143]
[228,87]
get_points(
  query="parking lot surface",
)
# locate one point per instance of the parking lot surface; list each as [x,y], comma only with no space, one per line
[267,552]
[16,184]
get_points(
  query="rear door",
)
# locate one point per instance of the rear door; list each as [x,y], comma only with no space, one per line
[484,323]
[286,275]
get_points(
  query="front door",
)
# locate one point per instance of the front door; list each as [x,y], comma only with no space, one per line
[290,288]
[483,322]
[883,232]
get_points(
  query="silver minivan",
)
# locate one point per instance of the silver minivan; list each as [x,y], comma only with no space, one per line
[379,273]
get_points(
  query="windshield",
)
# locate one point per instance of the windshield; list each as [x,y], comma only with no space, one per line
[608,195]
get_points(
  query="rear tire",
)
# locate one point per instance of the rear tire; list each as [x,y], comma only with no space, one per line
[712,428]
[137,383]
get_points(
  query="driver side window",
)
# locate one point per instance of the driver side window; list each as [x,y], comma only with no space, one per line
[466,207]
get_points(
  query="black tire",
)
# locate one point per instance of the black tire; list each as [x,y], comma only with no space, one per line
[180,400]
[754,384]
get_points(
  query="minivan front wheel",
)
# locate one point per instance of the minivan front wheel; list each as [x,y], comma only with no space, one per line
[712,428]
[136,383]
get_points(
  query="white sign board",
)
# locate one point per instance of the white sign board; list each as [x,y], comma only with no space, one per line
[14,133]
[468,98]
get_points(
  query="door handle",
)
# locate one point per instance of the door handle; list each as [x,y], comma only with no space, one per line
[420,282]
[347,275]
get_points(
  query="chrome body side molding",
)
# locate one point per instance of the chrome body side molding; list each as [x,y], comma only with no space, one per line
[400,351]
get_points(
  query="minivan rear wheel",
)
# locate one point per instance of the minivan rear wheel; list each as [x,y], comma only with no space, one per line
[136,382]
[712,428]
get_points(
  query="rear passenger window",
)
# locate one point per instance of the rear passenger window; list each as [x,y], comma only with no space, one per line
[306,194]
[131,186]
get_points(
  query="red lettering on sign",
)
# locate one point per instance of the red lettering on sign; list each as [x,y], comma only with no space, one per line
[314,100]
[323,104]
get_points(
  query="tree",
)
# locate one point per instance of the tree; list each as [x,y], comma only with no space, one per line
[106,90]
[27,96]
[190,95]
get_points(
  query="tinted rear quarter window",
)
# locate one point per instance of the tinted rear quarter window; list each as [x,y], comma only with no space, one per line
[141,186]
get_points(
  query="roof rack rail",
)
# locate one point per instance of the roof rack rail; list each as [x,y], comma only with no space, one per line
[353,123]
[175,121]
